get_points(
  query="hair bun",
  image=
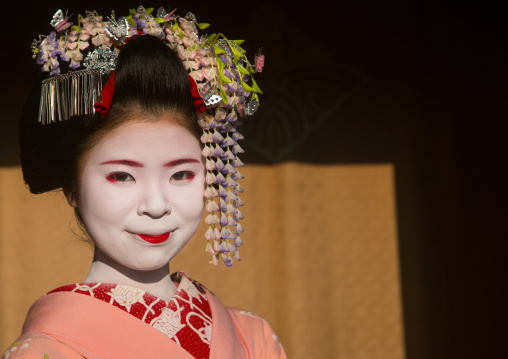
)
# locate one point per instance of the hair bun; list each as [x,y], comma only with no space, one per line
[152,76]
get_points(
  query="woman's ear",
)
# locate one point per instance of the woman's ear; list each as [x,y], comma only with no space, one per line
[71,197]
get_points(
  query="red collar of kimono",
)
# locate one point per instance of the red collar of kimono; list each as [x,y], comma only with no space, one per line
[186,318]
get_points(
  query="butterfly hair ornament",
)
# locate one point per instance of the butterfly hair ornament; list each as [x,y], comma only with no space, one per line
[78,58]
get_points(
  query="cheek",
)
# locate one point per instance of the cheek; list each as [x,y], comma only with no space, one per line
[192,203]
[98,204]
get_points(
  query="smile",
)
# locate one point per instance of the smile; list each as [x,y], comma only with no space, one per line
[155,239]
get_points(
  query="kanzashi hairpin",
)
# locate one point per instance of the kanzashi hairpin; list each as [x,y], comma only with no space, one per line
[118,30]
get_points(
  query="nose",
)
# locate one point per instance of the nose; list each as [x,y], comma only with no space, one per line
[154,202]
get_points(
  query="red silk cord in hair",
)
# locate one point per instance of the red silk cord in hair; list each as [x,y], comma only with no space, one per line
[109,88]
[199,104]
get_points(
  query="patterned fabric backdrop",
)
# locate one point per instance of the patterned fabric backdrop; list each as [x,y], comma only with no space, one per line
[319,261]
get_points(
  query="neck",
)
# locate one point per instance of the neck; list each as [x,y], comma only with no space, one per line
[156,282]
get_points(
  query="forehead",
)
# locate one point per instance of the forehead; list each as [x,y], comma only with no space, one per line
[140,138]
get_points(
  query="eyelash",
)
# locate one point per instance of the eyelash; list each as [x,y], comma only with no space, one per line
[115,177]
[187,176]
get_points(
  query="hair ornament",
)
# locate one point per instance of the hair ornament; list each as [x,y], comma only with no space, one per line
[163,16]
[222,86]
[101,58]
[70,94]
[259,60]
[102,108]
[59,21]
[118,30]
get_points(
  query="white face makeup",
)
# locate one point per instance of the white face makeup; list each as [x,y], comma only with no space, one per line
[141,193]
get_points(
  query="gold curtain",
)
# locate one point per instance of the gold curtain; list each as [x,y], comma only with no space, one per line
[319,262]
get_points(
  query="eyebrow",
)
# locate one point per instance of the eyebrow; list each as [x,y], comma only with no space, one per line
[123,162]
[137,164]
[180,162]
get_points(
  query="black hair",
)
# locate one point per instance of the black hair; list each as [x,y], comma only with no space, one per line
[151,81]
[149,73]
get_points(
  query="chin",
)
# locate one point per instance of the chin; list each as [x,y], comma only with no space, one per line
[154,265]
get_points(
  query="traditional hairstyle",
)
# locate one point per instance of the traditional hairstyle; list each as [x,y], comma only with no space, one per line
[207,81]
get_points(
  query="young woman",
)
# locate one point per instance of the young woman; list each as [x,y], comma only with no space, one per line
[139,171]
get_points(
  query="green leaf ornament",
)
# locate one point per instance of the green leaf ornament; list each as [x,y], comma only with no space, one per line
[203,25]
[175,27]
[218,50]
[78,26]
[223,95]
[236,52]
[211,37]
[130,20]
[220,64]
[223,77]
[255,86]
[247,87]
[242,70]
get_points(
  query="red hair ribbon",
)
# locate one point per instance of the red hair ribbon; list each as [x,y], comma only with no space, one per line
[199,104]
[109,88]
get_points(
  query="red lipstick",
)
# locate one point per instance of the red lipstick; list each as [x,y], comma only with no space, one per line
[155,239]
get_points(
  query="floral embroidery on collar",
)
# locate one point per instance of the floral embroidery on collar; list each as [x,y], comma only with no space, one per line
[186,318]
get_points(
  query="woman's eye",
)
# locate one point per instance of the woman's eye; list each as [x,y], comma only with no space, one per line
[182,176]
[119,177]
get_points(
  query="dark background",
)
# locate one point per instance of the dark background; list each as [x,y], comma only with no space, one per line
[420,84]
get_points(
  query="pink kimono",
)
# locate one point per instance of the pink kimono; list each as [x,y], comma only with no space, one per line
[81,321]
